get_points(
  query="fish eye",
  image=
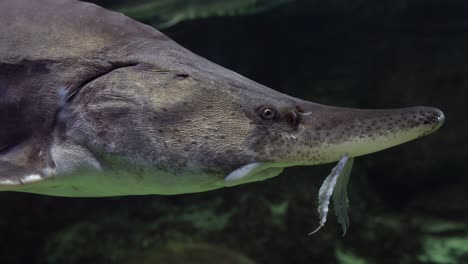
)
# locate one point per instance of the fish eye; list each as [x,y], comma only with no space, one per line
[267,112]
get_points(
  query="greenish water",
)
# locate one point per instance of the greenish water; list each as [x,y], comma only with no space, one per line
[408,204]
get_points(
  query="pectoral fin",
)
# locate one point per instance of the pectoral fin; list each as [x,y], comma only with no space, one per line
[13,175]
[243,171]
[20,164]
[335,185]
[252,172]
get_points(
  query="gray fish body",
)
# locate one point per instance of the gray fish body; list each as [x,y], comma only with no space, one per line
[93,103]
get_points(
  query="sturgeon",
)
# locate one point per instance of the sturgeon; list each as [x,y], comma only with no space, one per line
[93,103]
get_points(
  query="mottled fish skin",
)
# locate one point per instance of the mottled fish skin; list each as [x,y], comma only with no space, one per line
[97,104]
[326,133]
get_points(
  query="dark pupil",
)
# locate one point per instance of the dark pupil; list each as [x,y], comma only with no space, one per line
[268,113]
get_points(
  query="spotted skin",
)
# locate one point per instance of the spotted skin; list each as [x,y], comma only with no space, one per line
[326,128]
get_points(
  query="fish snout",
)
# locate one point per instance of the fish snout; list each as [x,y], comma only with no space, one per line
[336,131]
[431,116]
[423,119]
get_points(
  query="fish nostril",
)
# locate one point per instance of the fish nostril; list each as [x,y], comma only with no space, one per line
[300,109]
[293,118]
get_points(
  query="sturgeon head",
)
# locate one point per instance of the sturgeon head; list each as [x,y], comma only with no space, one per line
[287,131]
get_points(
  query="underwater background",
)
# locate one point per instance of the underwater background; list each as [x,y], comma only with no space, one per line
[409,204]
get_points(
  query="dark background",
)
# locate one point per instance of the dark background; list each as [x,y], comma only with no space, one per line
[409,204]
